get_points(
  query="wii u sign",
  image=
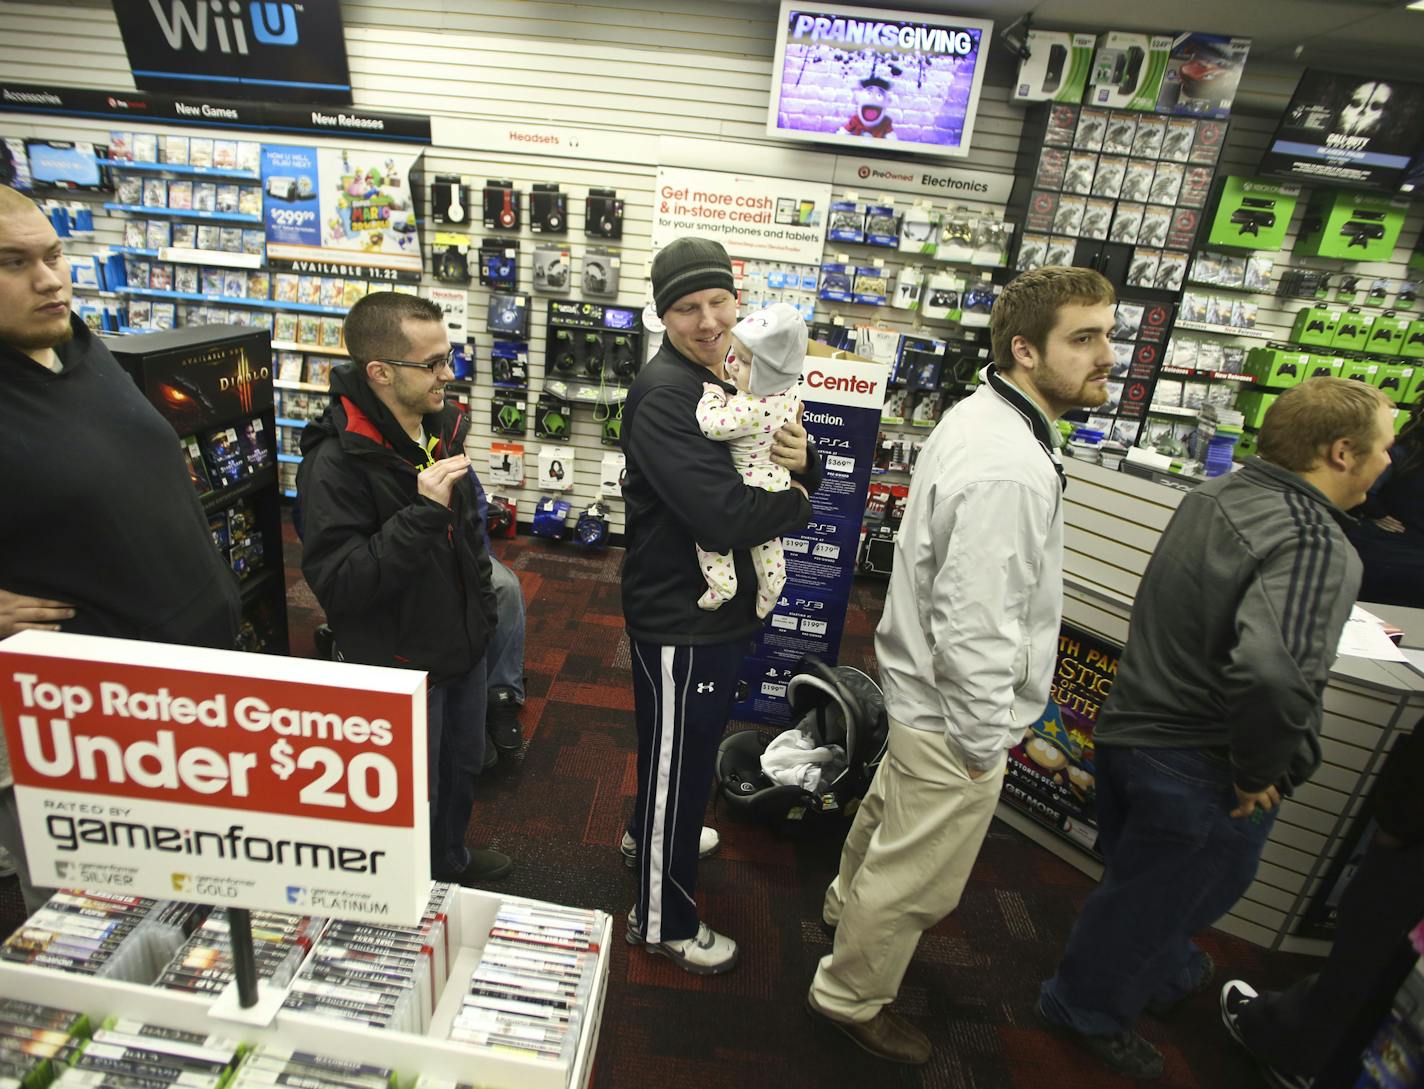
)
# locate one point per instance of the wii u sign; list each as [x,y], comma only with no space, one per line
[272,24]
[238,48]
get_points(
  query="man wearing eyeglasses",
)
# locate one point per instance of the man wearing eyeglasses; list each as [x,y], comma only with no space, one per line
[394,548]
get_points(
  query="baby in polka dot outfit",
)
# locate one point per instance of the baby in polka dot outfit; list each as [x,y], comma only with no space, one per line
[768,349]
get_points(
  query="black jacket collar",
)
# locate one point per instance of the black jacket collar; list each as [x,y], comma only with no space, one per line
[358,419]
[1032,416]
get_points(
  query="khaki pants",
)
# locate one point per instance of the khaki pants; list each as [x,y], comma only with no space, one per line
[903,868]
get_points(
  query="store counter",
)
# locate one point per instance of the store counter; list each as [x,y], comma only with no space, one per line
[1112,521]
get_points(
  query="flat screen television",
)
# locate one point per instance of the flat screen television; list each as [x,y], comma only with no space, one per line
[857,76]
[1351,130]
[64,165]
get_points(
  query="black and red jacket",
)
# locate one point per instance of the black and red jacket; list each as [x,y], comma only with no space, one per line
[404,581]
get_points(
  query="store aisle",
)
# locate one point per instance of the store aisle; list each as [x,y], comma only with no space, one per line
[558,809]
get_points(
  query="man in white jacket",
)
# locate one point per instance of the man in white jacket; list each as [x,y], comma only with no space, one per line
[966,645]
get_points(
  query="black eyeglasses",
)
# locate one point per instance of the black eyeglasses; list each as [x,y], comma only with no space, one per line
[433,366]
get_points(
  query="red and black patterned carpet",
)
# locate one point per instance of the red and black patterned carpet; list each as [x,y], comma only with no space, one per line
[559,807]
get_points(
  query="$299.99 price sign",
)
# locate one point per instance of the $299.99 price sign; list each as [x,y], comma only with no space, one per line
[218,777]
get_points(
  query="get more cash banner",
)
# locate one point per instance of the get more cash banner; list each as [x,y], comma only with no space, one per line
[217,777]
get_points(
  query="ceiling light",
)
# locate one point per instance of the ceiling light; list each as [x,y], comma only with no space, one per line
[1417,5]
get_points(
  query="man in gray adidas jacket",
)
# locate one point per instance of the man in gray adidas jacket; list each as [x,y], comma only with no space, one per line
[1215,713]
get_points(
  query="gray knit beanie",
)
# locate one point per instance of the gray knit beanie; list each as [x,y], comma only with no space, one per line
[686,265]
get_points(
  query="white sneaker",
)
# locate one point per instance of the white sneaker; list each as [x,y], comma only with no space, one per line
[708,954]
[707,844]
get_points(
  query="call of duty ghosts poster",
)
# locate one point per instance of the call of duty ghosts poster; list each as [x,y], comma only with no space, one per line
[1050,775]
[1353,130]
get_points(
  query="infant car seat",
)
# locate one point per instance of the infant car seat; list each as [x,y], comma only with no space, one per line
[837,705]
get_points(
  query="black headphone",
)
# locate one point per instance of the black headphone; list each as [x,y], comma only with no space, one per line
[499,517]
[556,469]
[564,360]
[595,276]
[624,358]
[451,265]
[592,355]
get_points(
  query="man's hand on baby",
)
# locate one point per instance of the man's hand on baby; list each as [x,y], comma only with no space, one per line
[789,446]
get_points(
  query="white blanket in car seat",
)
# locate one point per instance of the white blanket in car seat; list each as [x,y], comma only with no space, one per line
[794,759]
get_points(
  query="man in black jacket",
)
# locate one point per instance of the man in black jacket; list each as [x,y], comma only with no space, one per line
[681,490]
[394,549]
[88,466]
[1310,1035]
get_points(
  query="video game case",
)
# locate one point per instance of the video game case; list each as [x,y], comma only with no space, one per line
[30,1034]
[484,1020]
[80,1078]
[566,958]
[14,1049]
[197,470]
[256,445]
[530,958]
[156,1053]
[565,925]
[533,1010]
[101,1079]
[49,1017]
[130,1062]
[84,916]
[223,454]
[469,1025]
[297,1077]
[505,1042]
[376,1077]
[536,935]
[132,1027]
[379,1015]
[195,1055]
[553,1003]
[371,982]
[78,932]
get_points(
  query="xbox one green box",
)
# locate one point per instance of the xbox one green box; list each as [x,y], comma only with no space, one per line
[1252,214]
[1352,226]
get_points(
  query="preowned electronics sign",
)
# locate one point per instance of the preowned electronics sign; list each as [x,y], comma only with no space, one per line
[278,51]
[216,777]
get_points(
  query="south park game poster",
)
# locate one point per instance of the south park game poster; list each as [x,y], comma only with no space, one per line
[1051,773]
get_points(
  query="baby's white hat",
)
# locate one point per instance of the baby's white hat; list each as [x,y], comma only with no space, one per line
[776,337]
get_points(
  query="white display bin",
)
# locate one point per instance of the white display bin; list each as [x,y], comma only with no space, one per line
[408,1054]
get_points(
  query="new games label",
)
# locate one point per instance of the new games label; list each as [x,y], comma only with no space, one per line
[217,777]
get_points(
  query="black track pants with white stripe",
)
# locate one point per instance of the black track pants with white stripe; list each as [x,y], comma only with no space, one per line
[682,698]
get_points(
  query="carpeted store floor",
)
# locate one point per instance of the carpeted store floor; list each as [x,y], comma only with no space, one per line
[559,807]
